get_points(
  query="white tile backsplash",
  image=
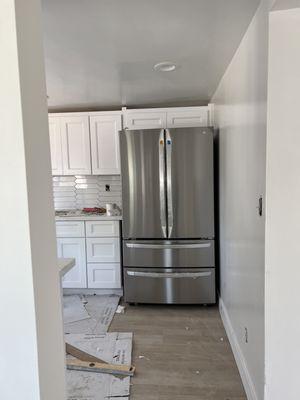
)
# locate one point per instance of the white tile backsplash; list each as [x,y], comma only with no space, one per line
[79,191]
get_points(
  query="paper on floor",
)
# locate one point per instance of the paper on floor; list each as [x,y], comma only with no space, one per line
[73,309]
[101,310]
[114,348]
[120,310]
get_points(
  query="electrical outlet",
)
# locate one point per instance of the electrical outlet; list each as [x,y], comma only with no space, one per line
[246,334]
[260,206]
[107,188]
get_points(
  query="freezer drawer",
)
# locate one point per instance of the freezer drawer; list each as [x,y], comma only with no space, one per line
[169,286]
[169,254]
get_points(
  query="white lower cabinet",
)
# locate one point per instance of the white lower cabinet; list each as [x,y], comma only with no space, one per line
[104,275]
[70,229]
[105,250]
[73,248]
[95,245]
[102,229]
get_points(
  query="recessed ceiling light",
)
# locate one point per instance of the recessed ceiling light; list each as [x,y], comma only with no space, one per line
[165,66]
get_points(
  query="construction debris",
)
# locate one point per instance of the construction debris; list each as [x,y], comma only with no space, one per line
[114,349]
[90,363]
[87,340]
[104,368]
[100,311]
[120,310]
[143,357]
[74,310]
[81,355]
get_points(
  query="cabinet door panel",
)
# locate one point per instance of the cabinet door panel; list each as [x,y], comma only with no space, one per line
[103,250]
[104,276]
[102,228]
[55,145]
[69,229]
[73,248]
[145,120]
[188,118]
[76,145]
[105,144]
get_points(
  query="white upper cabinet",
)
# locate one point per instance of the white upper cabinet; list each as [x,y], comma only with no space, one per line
[105,143]
[55,146]
[176,117]
[88,143]
[76,152]
[145,119]
[189,117]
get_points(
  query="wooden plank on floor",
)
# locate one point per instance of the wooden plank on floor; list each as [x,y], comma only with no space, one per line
[78,365]
[82,355]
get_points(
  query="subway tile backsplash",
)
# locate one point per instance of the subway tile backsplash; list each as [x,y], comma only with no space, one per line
[79,191]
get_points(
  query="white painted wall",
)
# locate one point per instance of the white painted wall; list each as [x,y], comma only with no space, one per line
[283,209]
[286,4]
[240,114]
[31,337]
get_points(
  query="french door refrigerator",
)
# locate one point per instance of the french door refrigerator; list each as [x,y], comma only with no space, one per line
[168,215]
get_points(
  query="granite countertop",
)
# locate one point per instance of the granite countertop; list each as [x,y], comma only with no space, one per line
[80,216]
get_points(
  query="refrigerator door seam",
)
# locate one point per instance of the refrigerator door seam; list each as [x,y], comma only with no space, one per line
[162,190]
[169,181]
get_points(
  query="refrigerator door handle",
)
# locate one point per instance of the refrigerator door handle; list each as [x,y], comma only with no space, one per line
[169,181]
[168,246]
[192,275]
[162,190]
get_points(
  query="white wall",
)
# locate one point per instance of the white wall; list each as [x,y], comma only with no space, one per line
[241,114]
[283,209]
[31,338]
[286,4]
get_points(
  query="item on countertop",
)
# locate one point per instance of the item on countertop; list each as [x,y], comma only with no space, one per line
[65,213]
[94,210]
[111,208]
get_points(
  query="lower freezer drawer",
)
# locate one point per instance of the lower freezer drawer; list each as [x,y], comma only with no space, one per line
[169,286]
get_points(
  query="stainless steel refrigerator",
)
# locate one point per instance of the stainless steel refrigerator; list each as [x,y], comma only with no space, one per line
[168,215]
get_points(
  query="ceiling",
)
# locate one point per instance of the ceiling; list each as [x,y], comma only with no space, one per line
[100,53]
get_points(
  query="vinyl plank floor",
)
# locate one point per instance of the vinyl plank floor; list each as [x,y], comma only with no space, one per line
[180,353]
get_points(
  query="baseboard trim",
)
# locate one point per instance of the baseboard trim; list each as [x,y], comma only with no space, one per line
[237,352]
[118,292]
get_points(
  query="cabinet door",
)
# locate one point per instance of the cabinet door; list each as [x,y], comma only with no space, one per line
[105,144]
[105,250]
[102,229]
[55,145]
[145,119]
[69,229]
[76,145]
[104,276]
[73,248]
[188,118]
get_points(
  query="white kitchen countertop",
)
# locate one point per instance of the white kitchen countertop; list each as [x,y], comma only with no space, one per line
[65,264]
[78,216]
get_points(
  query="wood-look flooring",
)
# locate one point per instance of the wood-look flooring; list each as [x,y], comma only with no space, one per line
[180,353]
